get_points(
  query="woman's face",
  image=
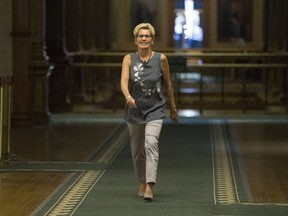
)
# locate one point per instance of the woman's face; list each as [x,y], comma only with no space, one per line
[144,39]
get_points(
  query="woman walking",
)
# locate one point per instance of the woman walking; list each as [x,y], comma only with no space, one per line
[144,79]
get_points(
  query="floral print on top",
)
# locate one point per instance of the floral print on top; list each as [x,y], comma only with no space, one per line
[138,71]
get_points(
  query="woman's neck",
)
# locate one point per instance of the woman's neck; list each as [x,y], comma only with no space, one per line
[144,52]
[144,55]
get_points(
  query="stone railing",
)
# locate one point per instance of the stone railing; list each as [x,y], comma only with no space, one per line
[242,81]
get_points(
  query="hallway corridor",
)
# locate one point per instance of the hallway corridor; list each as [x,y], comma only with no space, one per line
[81,165]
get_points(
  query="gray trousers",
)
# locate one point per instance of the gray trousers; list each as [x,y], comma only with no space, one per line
[144,140]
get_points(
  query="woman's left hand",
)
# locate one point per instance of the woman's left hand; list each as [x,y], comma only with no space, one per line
[174,115]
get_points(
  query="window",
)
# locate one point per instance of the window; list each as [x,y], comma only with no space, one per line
[188,32]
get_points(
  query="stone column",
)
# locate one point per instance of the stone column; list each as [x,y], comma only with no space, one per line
[102,25]
[22,105]
[72,22]
[88,24]
[55,48]
[39,63]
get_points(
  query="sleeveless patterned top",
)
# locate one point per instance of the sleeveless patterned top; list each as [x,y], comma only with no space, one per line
[146,87]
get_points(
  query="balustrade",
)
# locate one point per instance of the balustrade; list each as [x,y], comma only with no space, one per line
[238,81]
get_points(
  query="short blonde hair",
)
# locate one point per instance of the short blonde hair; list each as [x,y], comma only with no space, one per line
[144,26]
